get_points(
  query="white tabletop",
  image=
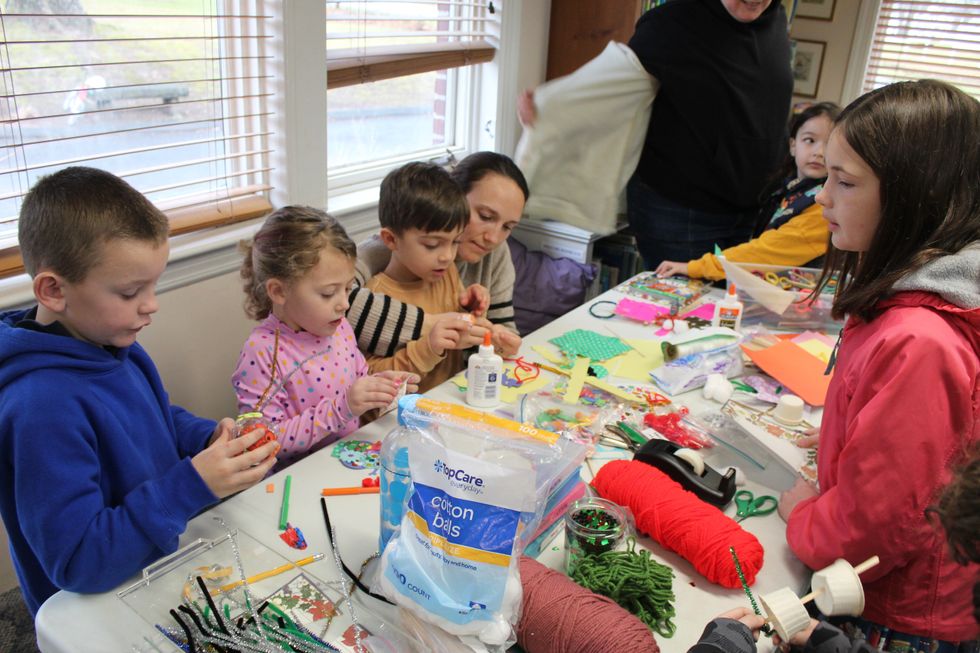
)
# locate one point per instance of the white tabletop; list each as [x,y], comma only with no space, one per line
[75,623]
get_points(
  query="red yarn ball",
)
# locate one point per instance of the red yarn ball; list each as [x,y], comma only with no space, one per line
[681,522]
[558,616]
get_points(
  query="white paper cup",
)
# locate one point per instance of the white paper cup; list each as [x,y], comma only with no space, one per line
[789,410]
[839,590]
[786,612]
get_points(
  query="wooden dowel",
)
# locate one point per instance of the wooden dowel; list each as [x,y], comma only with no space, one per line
[866,565]
[812,595]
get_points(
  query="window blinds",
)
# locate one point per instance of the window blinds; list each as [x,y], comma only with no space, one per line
[175,103]
[372,40]
[939,39]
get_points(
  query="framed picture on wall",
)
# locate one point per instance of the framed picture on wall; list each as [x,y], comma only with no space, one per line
[807,62]
[819,9]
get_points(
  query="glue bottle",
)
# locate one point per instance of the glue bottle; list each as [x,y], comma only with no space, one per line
[728,311]
[484,375]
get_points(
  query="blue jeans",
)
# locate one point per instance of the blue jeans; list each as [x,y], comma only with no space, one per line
[668,231]
[890,641]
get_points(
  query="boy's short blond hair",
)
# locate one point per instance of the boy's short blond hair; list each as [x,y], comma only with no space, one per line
[69,215]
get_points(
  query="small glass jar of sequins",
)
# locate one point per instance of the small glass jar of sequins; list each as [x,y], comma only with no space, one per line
[593,526]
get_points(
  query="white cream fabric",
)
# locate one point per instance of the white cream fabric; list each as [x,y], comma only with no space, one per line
[587,139]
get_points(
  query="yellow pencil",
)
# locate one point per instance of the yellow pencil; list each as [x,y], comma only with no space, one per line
[268,574]
[548,368]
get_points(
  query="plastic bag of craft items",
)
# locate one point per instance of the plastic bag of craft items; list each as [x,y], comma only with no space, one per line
[691,371]
[582,421]
[478,484]
[693,355]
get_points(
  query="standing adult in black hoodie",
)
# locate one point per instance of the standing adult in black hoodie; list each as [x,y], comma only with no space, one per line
[717,129]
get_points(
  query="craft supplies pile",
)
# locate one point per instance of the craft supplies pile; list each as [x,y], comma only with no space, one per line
[469,493]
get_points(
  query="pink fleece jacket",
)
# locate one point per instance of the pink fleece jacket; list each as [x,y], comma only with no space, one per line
[902,408]
[309,410]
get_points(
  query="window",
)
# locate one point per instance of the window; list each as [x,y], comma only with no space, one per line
[171,96]
[939,39]
[400,81]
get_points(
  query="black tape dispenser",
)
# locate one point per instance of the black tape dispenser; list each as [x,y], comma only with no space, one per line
[689,470]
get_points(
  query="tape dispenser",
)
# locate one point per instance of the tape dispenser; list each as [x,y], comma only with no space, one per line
[687,467]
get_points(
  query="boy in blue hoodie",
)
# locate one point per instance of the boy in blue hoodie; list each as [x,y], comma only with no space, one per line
[100,473]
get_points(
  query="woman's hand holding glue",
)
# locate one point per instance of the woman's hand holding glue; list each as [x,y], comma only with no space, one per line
[506,342]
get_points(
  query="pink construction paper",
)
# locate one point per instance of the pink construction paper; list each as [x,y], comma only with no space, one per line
[640,311]
[704,311]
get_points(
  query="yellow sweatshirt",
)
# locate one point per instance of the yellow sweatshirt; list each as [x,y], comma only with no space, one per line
[417,356]
[800,240]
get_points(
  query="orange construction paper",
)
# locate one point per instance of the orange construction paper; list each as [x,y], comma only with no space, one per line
[795,368]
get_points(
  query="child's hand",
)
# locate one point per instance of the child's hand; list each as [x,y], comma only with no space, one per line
[448,331]
[475,299]
[799,639]
[429,320]
[474,336]
[375,391]
[526,111]
[226,424]
[790,498]
[753,621]
[226,467]
[411,380]
[810,440]
[670,268]
[505,341]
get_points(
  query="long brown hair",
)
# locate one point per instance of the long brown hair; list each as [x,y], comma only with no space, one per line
[920,140]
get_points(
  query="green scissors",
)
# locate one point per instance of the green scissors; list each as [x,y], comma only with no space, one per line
[750,505]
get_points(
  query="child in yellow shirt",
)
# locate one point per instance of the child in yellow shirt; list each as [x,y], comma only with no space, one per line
[796,233]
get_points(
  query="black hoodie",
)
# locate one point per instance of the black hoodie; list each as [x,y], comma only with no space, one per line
[718,127]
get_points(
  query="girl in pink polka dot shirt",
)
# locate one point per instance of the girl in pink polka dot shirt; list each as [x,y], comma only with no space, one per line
[300,367]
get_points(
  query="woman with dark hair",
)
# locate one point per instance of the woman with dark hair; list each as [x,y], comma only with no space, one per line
[496,191]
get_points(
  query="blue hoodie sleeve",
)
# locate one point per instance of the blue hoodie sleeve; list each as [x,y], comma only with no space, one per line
[96,497]
[193,432]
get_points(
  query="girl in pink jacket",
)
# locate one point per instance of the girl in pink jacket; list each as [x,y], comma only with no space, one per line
[902,202]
